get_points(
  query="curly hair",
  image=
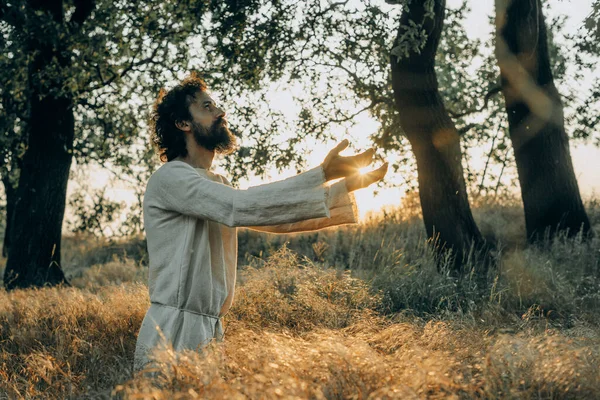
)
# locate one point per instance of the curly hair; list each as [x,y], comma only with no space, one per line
[169,108]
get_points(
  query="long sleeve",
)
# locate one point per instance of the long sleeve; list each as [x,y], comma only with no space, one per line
[342,210]
[178,187]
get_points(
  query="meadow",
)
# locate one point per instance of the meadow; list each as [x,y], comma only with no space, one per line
[359,312]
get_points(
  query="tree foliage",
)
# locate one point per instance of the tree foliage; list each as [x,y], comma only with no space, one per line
[586,55]
[337,53]
[119,55]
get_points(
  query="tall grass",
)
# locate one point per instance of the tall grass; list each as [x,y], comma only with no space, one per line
[359,312]
[66,342]
[391,253]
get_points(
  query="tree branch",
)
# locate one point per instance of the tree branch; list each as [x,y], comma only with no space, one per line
[350,73]
[331,7]
[466,128]
[493,91]
[348,117]
[132,64]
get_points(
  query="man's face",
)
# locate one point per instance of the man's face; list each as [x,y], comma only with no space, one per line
[209,125]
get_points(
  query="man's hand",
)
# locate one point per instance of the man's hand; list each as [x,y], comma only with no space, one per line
[359,181]
[336,166]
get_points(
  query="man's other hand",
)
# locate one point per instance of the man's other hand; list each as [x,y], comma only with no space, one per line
[336,166]
[359,181]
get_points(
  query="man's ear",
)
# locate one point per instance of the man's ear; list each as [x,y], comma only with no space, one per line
[184,125]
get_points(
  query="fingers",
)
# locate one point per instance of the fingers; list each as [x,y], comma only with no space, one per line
[340,147]
[359,181]
[361,160]
[333,153]
[375,175]
[369,152]
[336,166]
[379,173]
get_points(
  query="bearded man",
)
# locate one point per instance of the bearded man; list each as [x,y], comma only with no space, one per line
[191,215]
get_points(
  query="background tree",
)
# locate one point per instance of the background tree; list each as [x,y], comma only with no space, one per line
[40,194]
[12,121]
[586,57]
[338,53]
[74,57]
[433,136]
[549,189]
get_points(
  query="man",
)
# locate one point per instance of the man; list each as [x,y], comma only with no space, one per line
[191,215]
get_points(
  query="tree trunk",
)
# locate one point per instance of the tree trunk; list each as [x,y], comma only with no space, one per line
[10,179]
[10,207]
[549,189]
[434,139]
[34,253]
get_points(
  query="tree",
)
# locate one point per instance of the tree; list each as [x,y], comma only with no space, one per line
[74,57]
[590,42]
[587,56]
[432,134]
[549,189]
[41,191]
[9,172]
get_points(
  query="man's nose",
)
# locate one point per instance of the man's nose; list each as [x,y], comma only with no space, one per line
[221,113]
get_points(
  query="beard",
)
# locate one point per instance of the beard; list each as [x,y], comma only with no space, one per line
[217,138]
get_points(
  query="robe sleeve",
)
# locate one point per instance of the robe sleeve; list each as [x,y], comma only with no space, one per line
[342,210]
[178,187]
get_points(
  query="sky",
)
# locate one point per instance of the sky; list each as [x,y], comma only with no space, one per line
[586,158]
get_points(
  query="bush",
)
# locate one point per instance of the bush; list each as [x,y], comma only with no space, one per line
[112,273]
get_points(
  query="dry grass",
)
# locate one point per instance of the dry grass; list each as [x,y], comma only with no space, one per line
[287,294]
[83,250]
[64,342]
[284,341]
[378,359]
[365,316]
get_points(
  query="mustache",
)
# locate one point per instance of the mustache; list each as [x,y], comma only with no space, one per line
[220,121]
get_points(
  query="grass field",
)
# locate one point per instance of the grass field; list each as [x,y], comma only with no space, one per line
[359,312]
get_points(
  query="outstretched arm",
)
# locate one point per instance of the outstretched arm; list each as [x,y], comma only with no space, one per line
[341,202]
[178,187]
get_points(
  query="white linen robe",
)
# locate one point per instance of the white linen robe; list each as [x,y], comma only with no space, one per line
[190,218]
